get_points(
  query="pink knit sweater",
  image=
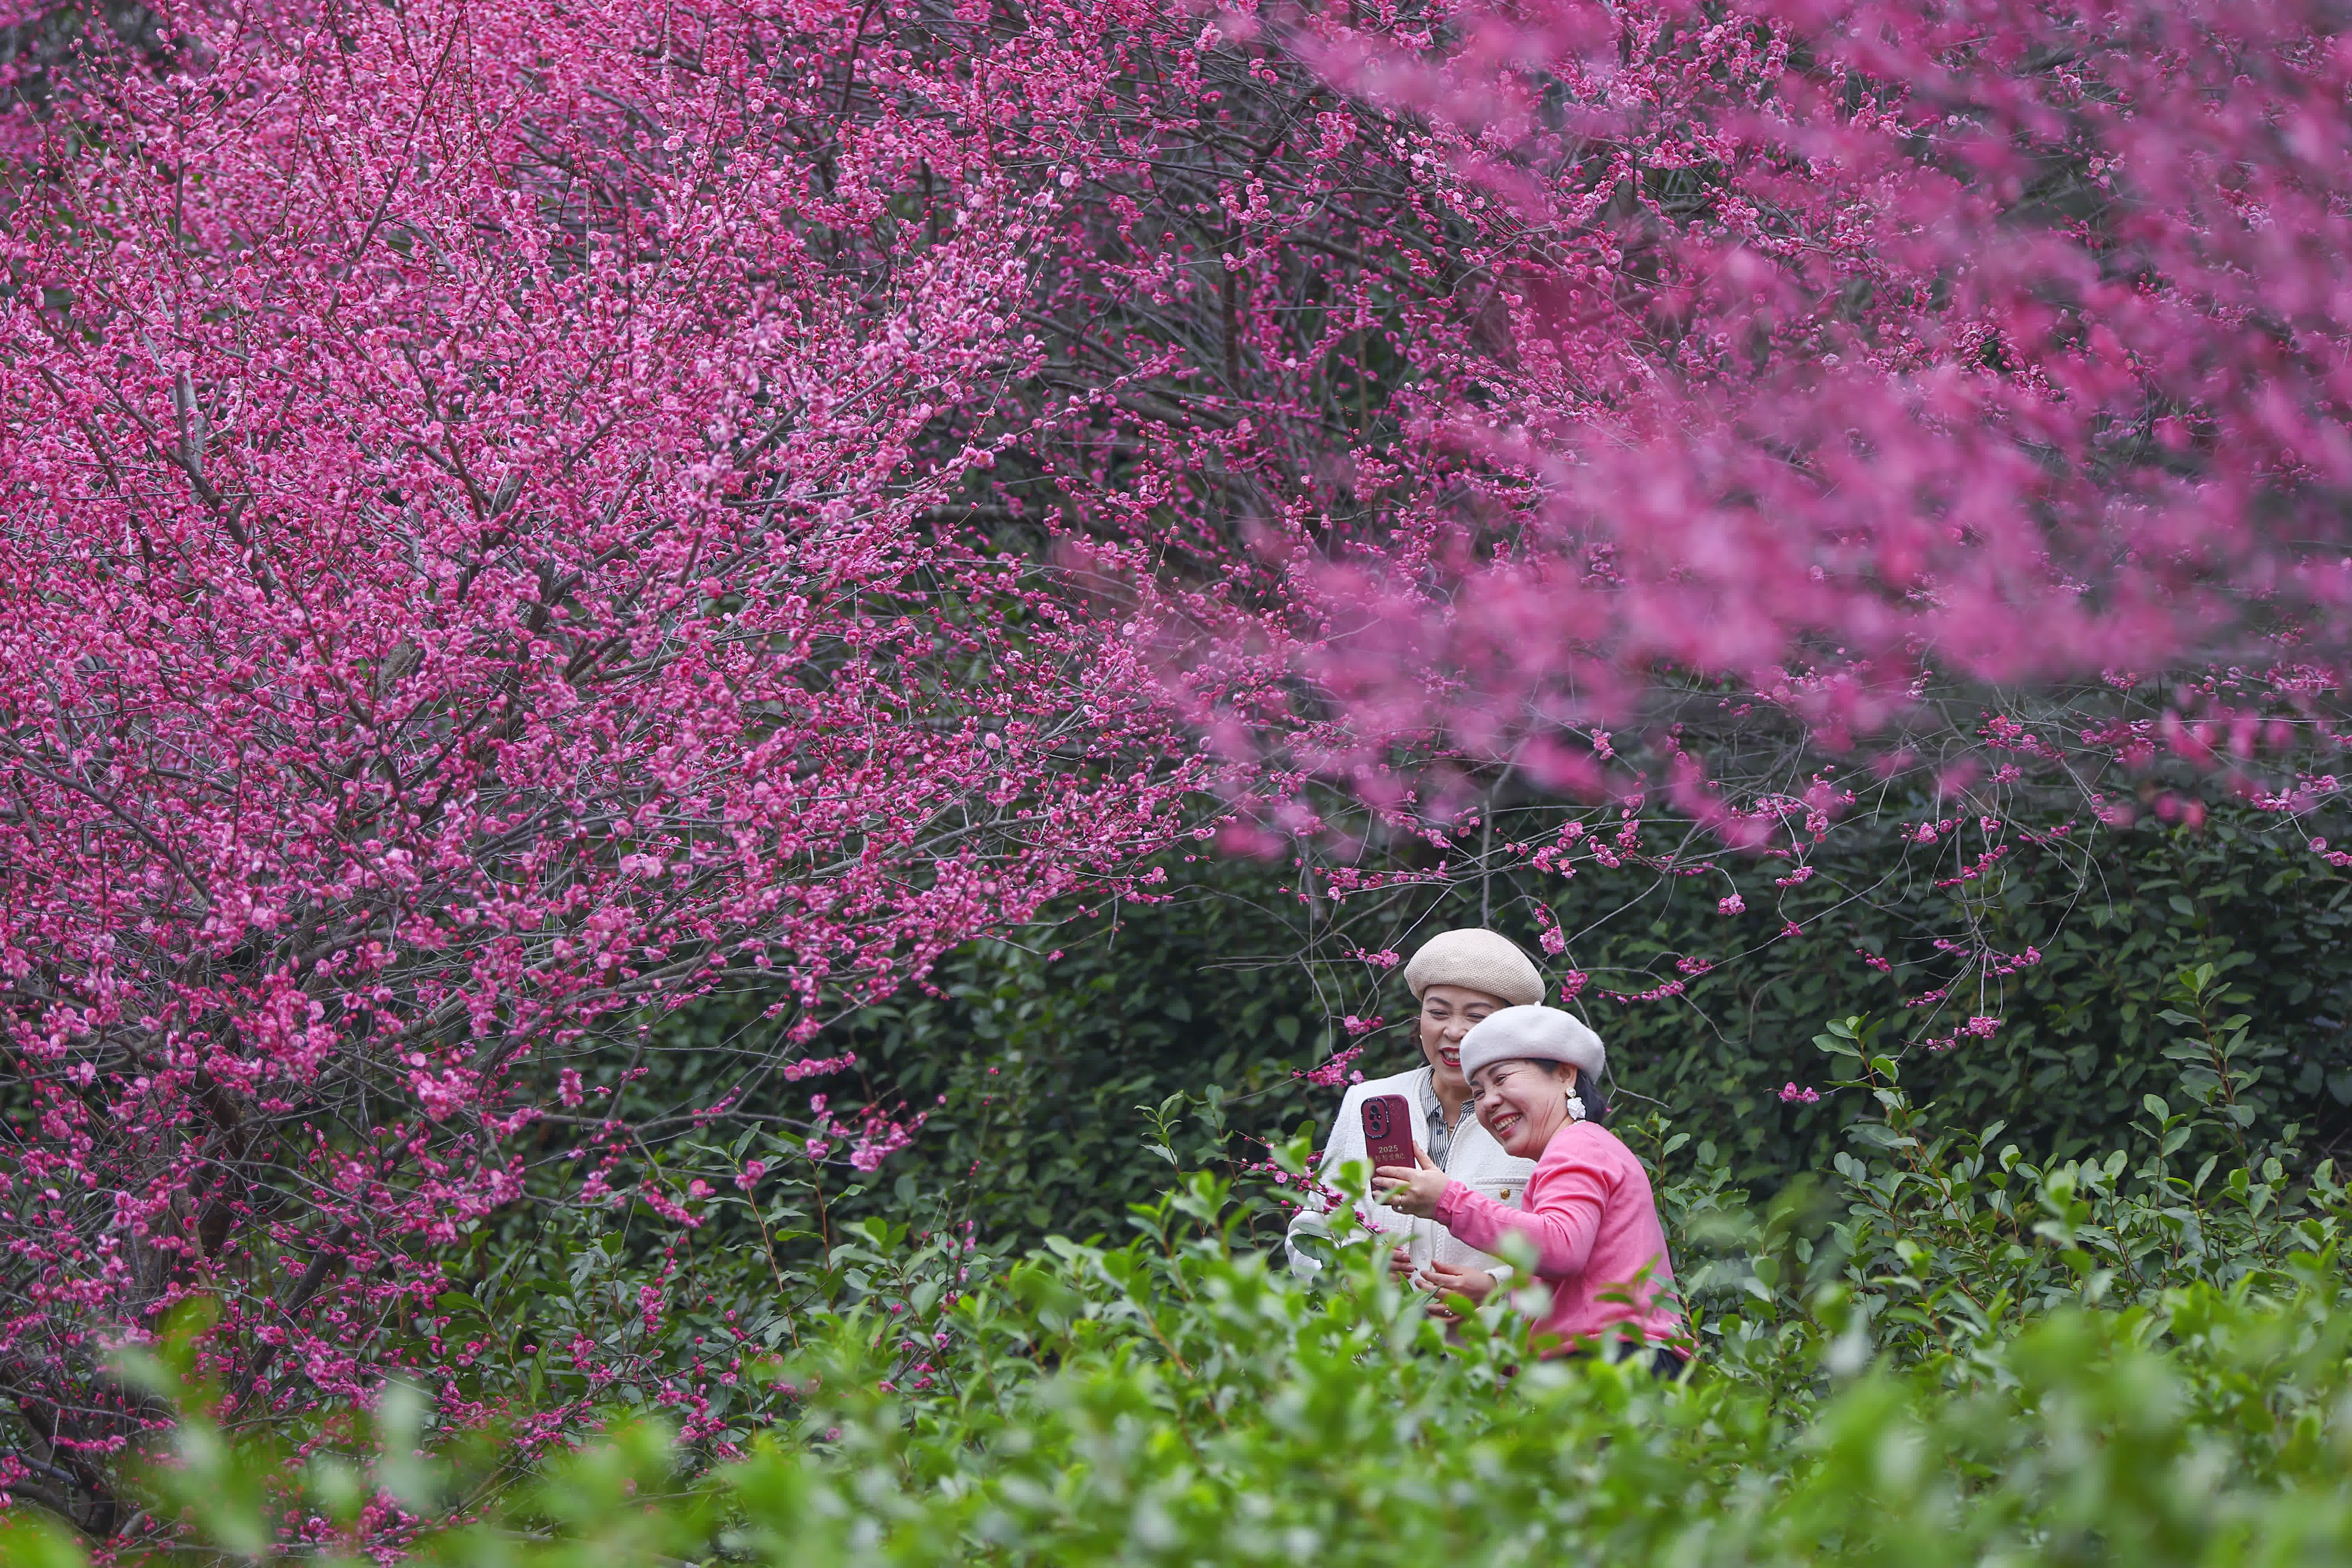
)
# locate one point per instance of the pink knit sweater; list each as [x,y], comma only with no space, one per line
[1589,1211]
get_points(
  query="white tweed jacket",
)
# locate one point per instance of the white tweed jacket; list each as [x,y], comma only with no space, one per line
[1475,1159]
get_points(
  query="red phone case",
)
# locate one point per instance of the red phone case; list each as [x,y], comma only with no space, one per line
[1387,1130]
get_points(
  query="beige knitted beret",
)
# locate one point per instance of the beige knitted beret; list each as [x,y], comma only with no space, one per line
[1478,960]
[1535,1033]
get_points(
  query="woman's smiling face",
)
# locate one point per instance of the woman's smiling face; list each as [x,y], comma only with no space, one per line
[1523,1103]
[1446,1013]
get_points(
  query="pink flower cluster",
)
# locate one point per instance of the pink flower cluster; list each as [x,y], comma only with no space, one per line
[872,1138]
[1337,1068]
[1979,1027]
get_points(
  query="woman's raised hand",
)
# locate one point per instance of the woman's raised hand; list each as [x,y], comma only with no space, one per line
[1444,1279]
[1415,1189]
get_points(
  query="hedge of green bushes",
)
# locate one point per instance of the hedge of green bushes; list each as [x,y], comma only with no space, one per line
[1236,982]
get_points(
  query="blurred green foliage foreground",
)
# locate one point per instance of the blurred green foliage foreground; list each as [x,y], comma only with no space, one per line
[1947,1354]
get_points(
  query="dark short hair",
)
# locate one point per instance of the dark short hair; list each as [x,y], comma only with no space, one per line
[1595,1098]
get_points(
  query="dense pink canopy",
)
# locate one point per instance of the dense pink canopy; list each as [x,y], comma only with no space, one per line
[1843,353]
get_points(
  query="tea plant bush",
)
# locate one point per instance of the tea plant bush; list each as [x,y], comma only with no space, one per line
[1947,1351]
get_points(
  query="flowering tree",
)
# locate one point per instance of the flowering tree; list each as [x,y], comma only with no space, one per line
[1856,407]
[1859,355]
[483,558]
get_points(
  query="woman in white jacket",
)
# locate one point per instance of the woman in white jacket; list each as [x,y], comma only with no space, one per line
[1457,978]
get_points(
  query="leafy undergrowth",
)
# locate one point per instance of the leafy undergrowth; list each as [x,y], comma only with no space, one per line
[1948,1355]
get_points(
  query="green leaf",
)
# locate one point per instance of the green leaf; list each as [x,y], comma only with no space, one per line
[28,1539]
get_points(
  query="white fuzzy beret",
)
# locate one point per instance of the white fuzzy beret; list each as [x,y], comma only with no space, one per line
[1477,960]
[1540,1034]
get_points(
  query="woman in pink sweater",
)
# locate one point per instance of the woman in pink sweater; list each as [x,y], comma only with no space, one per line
[1588,1209]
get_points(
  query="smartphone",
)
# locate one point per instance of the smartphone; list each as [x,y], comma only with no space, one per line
[1387,1130]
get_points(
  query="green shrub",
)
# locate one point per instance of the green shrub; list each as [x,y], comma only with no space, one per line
[1947,1354]
[1238,981]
